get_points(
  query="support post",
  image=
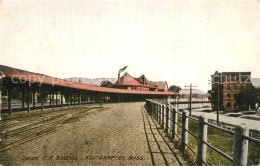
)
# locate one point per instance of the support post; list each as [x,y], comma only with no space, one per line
[33,98]
[84,96]
[162,116]
[52,100]
[202,137]
[118,98]
[56,98]
[174,125]
[167,119]
[184,133]
[23,98]
[29,97]
[42,98]
[79,98]
[61,99]
[69,99]
[9,91]
[74,99]
[240,149]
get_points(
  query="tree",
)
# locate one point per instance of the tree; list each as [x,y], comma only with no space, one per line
[258,96]
[247,96]
[107,84]
[174,88]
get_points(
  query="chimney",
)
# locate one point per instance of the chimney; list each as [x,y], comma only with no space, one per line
[143,78]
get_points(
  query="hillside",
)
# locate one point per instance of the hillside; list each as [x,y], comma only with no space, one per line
[91,81]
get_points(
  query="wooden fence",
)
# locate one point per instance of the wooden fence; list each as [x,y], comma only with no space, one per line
[167,117]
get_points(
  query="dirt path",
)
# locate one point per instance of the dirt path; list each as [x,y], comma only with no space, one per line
[118,134]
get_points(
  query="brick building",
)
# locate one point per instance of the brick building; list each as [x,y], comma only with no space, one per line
[225,87]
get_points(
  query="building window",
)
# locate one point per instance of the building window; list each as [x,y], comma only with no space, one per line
[228,87]
[235,87]
[235,105]
[232,79]
[235,95]
[228,104]
[224,79]
[228,95]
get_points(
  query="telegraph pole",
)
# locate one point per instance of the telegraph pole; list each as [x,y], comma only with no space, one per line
[218,107]
[190,96]
[216,91]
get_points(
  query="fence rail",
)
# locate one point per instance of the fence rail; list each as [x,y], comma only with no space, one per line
[165,113]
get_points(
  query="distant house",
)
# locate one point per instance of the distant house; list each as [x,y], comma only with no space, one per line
[255,82]
[162,85]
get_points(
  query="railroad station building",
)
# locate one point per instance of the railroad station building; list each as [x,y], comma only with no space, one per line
[140,83]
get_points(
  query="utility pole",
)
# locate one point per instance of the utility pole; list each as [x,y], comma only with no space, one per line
[218,107]
[190,96]
[216,91]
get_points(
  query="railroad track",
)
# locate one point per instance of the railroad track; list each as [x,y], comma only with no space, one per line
[7,123]
[26,134]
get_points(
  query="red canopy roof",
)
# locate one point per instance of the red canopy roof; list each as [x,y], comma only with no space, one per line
[22,75]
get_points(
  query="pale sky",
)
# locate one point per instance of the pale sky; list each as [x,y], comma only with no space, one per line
[174,41]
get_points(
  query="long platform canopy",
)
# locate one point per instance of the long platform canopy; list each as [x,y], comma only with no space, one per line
[31,77]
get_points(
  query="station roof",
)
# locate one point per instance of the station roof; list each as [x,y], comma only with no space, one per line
[22,75]
[128,80]
[142,80]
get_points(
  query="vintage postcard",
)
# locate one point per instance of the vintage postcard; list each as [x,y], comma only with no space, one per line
[129,82]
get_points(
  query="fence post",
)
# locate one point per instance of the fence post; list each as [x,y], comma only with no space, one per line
[154,110]
[162,116]
[149,107]
[174,125]
[184,133]
[157,112]
[240,148]
[202,137]
[151,110]
[160,110]
[167,119]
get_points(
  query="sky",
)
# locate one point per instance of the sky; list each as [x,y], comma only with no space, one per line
[180,42]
